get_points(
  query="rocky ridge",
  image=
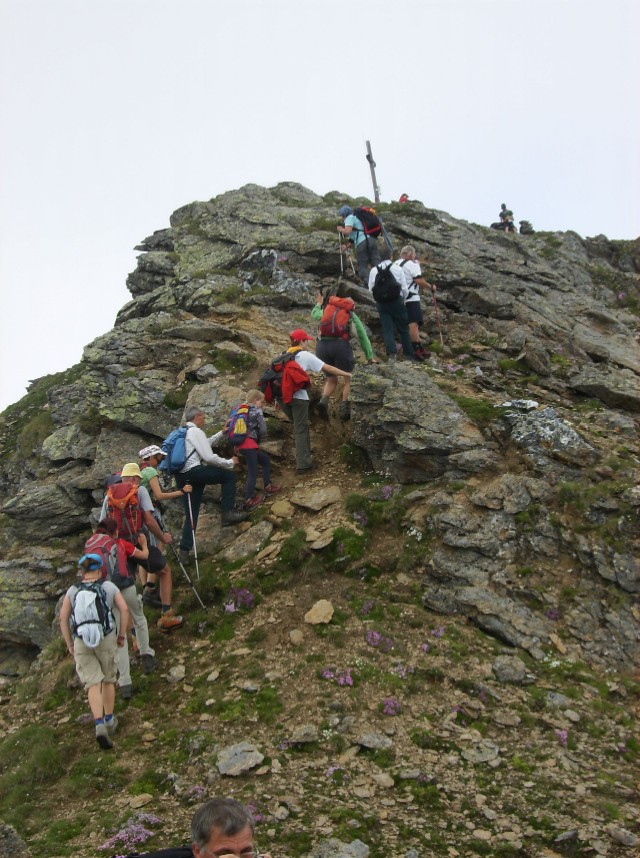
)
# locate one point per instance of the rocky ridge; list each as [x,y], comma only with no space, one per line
[498,504]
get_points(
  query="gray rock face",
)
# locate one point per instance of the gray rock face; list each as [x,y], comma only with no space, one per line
[548,317]
[406,425]
[11,846]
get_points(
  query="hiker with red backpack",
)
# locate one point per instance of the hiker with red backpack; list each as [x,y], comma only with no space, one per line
[415,281]
[202,467]
[131,507]
[361,226]
[337,316]
[246,429]
[295,399]
[89,630]
[116,554]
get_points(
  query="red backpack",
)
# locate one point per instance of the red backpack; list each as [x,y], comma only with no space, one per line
[123,506]
[336,318]
[114,558]
[370,221]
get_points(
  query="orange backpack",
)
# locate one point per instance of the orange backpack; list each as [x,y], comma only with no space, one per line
[336,318]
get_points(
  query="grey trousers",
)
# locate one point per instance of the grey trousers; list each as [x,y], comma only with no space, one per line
[367,255]
[298,412]
[139,622]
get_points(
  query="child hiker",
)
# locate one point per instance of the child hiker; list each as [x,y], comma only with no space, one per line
[88,627]
[253,455]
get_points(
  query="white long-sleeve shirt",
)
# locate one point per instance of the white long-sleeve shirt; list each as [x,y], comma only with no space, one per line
[397,273]
[198,449]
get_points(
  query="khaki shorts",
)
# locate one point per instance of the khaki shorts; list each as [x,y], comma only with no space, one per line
[98,665]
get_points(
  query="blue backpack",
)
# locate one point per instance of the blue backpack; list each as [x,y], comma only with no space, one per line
[237,426]
[175,447]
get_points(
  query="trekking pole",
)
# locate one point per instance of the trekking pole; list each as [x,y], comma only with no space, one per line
[341,259]
[435,304]
[350,258]
[386,236]
[181,565]
[193,533]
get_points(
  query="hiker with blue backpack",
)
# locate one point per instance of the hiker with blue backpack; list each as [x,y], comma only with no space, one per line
[362,227]
[201,467]
[245,429]
[89,630]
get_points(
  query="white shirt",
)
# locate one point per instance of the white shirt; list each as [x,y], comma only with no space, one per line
[397,273]
[198,450]
[411,269]
[308,361]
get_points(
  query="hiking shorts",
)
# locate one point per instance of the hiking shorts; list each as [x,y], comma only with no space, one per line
[154,563]
[414,312]
[336,352]
[98,665]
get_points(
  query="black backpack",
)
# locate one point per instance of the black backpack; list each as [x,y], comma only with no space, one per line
[174,852]
[370,221]
[386,288]
[270,382]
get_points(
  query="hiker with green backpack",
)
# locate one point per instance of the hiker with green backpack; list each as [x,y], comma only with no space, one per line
[88,626]
[337,318]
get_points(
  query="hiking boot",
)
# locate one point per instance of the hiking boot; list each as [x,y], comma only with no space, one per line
[232,516]
[111,726]
[103,738]
[271,489]
[344,412]
[323,408]
[151,598]
[391,360]
[254,502]
[149,663]
[305,470]
[417,355]
[184,556]
[169,621]
[424,353]
[126,692]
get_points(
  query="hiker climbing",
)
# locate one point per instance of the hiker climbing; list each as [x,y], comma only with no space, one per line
[337,316]
[150,459]
[202,467]
[131,507]
[115,554]
[388,286]
[404,198]
[362,228]
[415,281]
[89,630]
[246,437]
[295,399]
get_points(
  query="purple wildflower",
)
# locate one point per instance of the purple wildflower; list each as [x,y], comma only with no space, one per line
[331,770]
[327,674]
[372,637]
[563,737]
[401,670]
[132,834]
[342,677]
[553,614]
[391,706]
[242,598]
[367,607]
[230,607]
[622,296]
[425,647]
[361,518]
[439,632]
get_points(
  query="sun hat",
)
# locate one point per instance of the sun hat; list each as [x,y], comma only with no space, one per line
[131,469]
[151,450]
[344,211]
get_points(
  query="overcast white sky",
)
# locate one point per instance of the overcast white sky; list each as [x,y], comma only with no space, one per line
[113,113]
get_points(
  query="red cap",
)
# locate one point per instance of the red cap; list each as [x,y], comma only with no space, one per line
[299,335]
